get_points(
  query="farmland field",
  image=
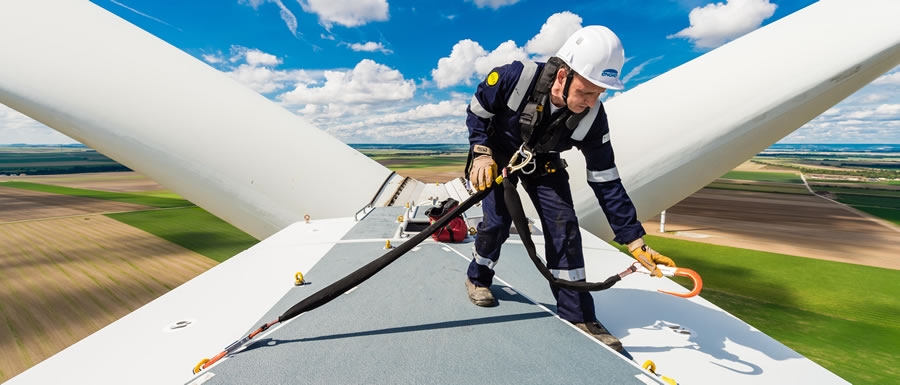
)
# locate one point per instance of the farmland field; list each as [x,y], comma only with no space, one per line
[192,228]
[759,187]
[781,177]
[54,160]
[63,279]
[104,195]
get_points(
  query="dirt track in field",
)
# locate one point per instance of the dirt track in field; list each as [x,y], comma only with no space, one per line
[104,181]
[800,225]
[18,204]
[63,279]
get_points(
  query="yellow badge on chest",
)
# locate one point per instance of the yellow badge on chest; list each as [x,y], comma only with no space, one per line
[493,78]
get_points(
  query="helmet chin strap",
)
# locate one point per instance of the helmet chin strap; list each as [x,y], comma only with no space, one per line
[565,96]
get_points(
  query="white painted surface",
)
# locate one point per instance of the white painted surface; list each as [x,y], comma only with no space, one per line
[114,87]
[720,349]
[221,304]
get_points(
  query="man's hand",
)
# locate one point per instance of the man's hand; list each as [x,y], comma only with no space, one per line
[484,171]
[649,257]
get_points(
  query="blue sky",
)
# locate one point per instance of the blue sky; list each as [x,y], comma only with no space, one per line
[389,71]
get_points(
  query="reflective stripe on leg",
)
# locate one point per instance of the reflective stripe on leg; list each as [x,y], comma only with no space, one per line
[569,275]
[483,261]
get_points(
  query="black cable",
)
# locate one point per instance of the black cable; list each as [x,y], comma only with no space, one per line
[357,277]
[514,206]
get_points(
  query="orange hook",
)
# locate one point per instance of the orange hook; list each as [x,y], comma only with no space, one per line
[683,272]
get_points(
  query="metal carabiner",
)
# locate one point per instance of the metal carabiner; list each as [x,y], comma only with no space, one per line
[513,167]
[676,271]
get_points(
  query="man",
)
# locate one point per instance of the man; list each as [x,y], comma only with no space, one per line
[555,114]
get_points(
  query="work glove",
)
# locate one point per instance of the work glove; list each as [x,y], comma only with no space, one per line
[484,169]
[649,257]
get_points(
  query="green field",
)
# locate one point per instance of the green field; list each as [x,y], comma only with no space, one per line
[54,160]
[780,177]
[842,316]
[801,190]
[146,200]
[852,182]
[857,201]
[178,221]
[858,191]
[891,215]
[192,228]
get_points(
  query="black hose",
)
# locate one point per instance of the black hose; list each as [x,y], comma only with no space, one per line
[514,206]
[357,277]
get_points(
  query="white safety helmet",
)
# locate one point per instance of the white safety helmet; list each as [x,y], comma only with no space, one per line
[595,53]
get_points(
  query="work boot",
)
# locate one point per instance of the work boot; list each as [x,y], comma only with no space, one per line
[596,330]
[480,296]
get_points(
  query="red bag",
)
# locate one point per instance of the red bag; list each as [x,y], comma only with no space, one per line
[454,231]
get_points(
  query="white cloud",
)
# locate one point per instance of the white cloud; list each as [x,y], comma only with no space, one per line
[16,127]
[256,57]
[443,109]
[638,69]
[495,4]
[505,53]
[255,69]
[266,80]
[459,66]
[715,24]
[468,59]
[888,79]
[874,98]
[349,13]
[432,131]
[286,15]
[213,58]
[368,82]
[370,46]
[554,33]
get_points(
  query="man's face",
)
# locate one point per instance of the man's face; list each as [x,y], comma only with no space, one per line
[582,93]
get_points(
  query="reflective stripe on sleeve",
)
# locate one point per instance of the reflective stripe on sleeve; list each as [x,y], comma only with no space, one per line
[603,176]
[478,110]
[522,86]
[569,275]
[484,261]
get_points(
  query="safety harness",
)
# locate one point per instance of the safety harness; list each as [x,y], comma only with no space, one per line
[540,138]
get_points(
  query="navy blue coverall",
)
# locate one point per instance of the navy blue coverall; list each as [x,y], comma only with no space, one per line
[493,121]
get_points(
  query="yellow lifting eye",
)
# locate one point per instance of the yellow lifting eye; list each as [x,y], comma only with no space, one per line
[197,368]
[400,218]
[298,279]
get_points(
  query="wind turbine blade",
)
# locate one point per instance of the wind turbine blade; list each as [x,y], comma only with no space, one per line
[678,132]
[124,92]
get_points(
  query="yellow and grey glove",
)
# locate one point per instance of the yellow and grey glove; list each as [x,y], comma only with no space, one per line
[649,257]
[484,169]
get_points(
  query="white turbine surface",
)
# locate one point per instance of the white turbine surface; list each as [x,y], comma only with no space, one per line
[124,92]
[678,132]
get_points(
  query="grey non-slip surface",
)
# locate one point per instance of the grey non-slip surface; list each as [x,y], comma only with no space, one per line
[413,324]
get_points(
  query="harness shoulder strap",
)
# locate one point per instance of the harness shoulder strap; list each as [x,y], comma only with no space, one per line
[532,114]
